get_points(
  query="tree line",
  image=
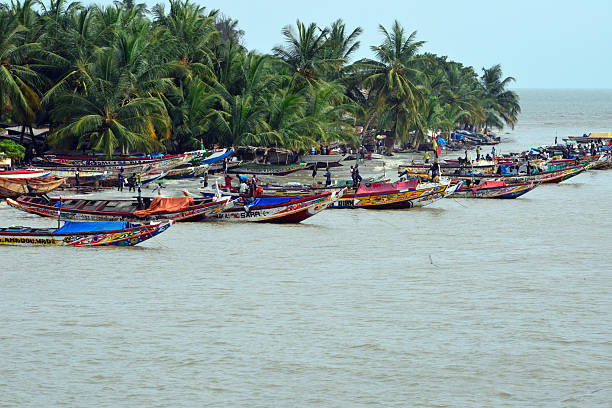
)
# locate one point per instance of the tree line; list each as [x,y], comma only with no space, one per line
[124,78]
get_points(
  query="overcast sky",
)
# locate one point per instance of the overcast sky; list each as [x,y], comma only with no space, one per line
[542,43]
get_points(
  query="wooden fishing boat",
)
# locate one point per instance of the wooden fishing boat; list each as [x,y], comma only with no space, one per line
[450,168]
[601,162]
[553,176]
[83,161]
[178,173]
[151,177]
[145,208]
[323,160]
[86,177]
[494,189]
[403,194]
[268,169]
[139,165]
[24,173]
[210,156]
[280,210]
[84,234]
[14,187]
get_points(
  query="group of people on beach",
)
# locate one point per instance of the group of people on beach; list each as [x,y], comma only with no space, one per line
[246,186]
[133,181]
[328,180]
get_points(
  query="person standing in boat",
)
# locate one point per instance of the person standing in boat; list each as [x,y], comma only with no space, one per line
[257,189]
[77,180]
[435,171]
[120,179]
[243,189]
[493,152]
[253,187]
[528,167]
[358,177]
[255,181]
[131,183]
[426,157]
[314,172]
[327,178]
[477,153]
[29,188]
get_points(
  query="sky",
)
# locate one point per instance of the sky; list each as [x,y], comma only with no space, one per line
[541,43]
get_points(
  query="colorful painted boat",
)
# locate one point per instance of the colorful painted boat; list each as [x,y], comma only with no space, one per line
[24,173]
[280,210]
[450,168]
[494,189]
[80,161]
[139,165]
[553,176]
[210,156]
[133,210]
[151,177]
[86,177]
[186,172]
[403,194]
[14,187]
[84,234]
[268,169]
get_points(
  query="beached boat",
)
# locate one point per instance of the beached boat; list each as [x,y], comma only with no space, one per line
[323,160]
[81,234]
[84,161]
[268,169]
[130,165]
[178,173]
[280,210]
[145,208]
[151,177]
[210,156]
[14,187]
[24,173]
[86,177]
[494,189]
[402,194]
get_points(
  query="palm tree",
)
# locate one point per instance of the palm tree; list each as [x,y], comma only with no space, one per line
[192,31]
[18,81]
[25,16]
[103,116]
[339,47]
[500,103]
[329,114]
[243,123]
[228,29]
[191,110]
[304,52]
[394,79]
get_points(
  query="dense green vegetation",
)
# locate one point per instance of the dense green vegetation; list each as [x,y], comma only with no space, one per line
[124,78]
[11,150]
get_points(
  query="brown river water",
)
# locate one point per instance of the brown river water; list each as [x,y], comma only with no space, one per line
[462,303]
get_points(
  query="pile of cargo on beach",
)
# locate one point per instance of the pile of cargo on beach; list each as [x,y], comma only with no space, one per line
[238,193]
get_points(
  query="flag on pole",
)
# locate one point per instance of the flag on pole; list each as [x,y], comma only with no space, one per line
[435,145]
